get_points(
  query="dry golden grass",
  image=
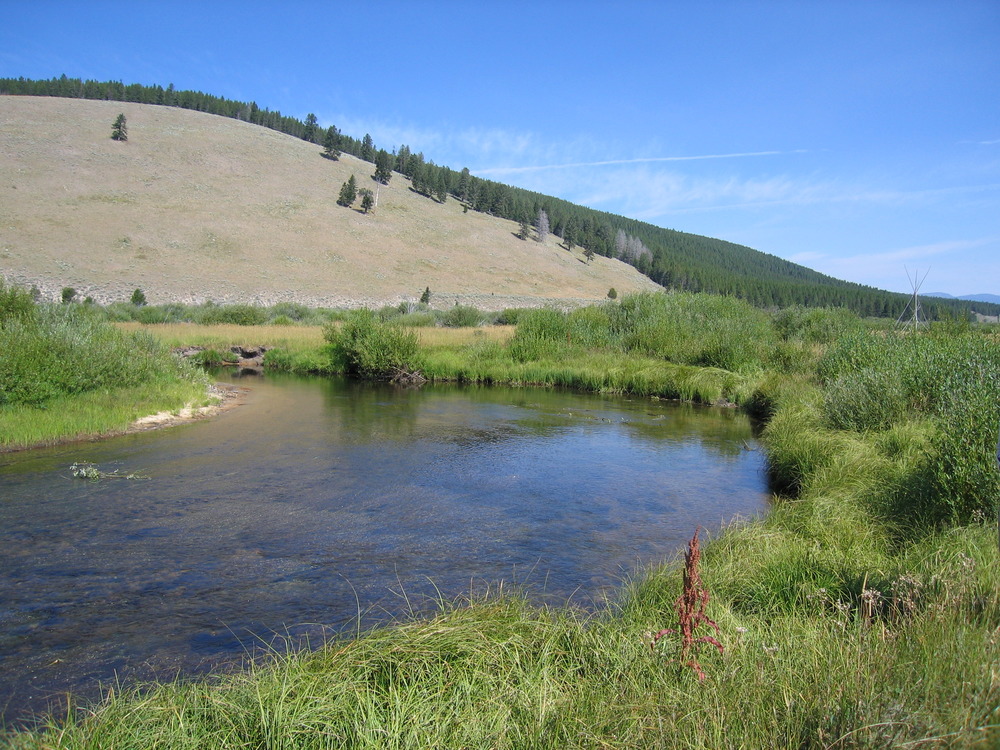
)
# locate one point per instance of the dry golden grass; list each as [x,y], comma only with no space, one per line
[296,338]
[195,207]
[224,336]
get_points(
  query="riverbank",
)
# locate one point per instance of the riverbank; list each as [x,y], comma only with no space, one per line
[105,414]
[863,611]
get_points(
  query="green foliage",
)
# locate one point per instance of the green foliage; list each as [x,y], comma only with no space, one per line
[425,298]
[541,334]
[119,131]
[348,193]
[241,315]
[384,162]
[68,295]
[816,325]
[294,311]
[696,329]
[612,293]
[311,128]
[366,346]
[70,349]
[138,298]
[331,143]
[367,199]
[965,478]
[16,305]
[509,316]
[462,316]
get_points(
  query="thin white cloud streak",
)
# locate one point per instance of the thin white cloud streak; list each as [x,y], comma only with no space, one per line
[617,162]
[644,192]
[949,265]
[912,253]
[454,148]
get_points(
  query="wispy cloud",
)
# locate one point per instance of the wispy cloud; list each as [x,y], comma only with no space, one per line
[946,264]
[617,162]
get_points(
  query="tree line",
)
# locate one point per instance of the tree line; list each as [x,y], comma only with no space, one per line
[676,260]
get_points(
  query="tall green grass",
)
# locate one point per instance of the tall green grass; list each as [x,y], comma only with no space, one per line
[65,372]
[862,611]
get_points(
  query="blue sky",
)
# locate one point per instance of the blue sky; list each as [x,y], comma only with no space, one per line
[861,139]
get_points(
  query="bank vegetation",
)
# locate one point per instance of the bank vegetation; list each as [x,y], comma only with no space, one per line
[862,611]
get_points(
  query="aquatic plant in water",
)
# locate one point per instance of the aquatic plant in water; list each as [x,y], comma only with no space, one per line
[87,470]
[690,608]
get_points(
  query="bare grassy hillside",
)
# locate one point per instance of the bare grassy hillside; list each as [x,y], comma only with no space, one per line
[197,207]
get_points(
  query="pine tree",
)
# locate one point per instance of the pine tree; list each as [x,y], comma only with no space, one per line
[621,242]
[348,192]
[425,298]
[367,199]
[383,166]
[569,236]
[367,148]
[522,232]
[441,186]
[119,131]
[462,191]
[331,143]
[312,125]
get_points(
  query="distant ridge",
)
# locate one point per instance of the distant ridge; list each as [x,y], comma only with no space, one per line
[990,298]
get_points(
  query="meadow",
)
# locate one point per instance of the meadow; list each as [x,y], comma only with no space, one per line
[862,611]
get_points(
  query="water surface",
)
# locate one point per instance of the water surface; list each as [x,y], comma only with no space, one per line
[319,504]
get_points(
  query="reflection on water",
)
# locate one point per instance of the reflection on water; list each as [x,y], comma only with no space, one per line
[321,500]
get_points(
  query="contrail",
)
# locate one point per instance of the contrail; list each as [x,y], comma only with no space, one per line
[643,160]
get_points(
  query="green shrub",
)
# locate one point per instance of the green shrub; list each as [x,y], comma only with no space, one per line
[366,346]
[240,315]
[540,334]
[72,349]
[965,479]
[291,310]
[694,329]
[509,316]
[16,304]
[815,325]
[461,316]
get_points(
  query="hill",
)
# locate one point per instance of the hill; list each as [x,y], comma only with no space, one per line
[993,299]
[196,207]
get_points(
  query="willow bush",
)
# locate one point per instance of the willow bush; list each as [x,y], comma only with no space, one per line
[369,347]
[65,349]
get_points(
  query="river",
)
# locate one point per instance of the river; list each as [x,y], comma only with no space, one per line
[320,505]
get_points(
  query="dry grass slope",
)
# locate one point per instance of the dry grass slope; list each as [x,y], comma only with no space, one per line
[197,207]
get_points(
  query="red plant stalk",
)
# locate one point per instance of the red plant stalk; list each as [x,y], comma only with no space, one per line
[690,608]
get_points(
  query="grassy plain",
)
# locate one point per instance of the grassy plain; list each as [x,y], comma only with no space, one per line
[862,612]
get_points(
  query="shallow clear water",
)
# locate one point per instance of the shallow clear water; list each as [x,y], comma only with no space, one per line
[318,502]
